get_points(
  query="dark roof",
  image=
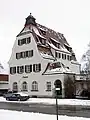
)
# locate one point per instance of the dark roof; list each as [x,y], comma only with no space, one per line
[30,20]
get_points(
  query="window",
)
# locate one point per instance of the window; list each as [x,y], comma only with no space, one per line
[20,69]
[24,41]
[15,86]
[28,68]
[19,42]
[57,55]
[30,53]
[64,56]
[55,65]
[43,41]
[37,67]
[34,86]
[48,85]
[18,55]
[28,40]
[68,57]
[12,70]
[24,86]
[24,54]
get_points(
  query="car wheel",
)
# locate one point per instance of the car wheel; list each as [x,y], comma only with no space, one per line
[7,99]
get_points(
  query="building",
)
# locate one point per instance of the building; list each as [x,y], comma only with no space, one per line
[3,83]
[40,60]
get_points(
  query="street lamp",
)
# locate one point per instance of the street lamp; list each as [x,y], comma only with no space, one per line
[57,89]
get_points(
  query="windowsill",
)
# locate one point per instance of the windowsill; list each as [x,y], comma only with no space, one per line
[34,90]
[24,90]
[37,71]
[48,90]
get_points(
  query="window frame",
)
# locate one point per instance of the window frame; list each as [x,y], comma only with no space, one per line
[24,86]
[48,86]
[34,86]
[12,70]
[28,68]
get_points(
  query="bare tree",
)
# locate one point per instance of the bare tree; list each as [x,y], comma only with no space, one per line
[69,86]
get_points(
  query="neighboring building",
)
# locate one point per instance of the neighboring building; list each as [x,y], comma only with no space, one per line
[40,59]
[4,83]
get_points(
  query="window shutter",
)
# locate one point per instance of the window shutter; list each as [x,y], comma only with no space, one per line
[25,68]
[31,53]
[26,53]
[30,68]
[55,54]
[18,42]
[34,67]
[17,69]
[14,69]
[16,56]
[39,67]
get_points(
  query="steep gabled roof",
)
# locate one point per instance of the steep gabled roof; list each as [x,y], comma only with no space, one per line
[47,37]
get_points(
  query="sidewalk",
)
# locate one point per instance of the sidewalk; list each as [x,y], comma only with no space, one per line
[72,102]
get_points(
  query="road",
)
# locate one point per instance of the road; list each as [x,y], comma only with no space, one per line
[80,111]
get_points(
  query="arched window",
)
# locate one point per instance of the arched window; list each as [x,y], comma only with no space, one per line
[24,86]
[34,86]
[15,87]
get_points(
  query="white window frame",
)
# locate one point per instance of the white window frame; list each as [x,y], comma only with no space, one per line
[12,70]
[20,69]
[15,86]
[48,85]
[24,86]
[34,86]
[28,68]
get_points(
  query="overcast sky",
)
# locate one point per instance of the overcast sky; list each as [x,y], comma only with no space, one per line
[70,17]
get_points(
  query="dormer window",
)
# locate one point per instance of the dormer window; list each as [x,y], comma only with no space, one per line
[43,32]
[43,42]
[55,65]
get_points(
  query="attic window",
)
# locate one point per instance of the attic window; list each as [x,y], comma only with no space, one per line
[55,65]
[43,32]
[43,41]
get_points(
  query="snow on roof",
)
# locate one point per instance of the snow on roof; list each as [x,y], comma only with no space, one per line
[59,69]
[46,56]
[42,29]
[37,32]
[55,40]
[66,44]
[64,49]
[51,45]
[61,49]
[76,62]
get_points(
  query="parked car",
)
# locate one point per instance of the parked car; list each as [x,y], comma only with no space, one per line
[23,96]
[9,93]
[13,97]
[17,97]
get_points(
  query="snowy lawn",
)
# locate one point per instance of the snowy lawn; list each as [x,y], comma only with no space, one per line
[14,115]
[52,101]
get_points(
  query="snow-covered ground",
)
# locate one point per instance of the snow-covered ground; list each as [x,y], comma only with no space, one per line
[52,101]
[15,115]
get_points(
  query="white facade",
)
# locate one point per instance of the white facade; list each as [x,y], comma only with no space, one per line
[45,75]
